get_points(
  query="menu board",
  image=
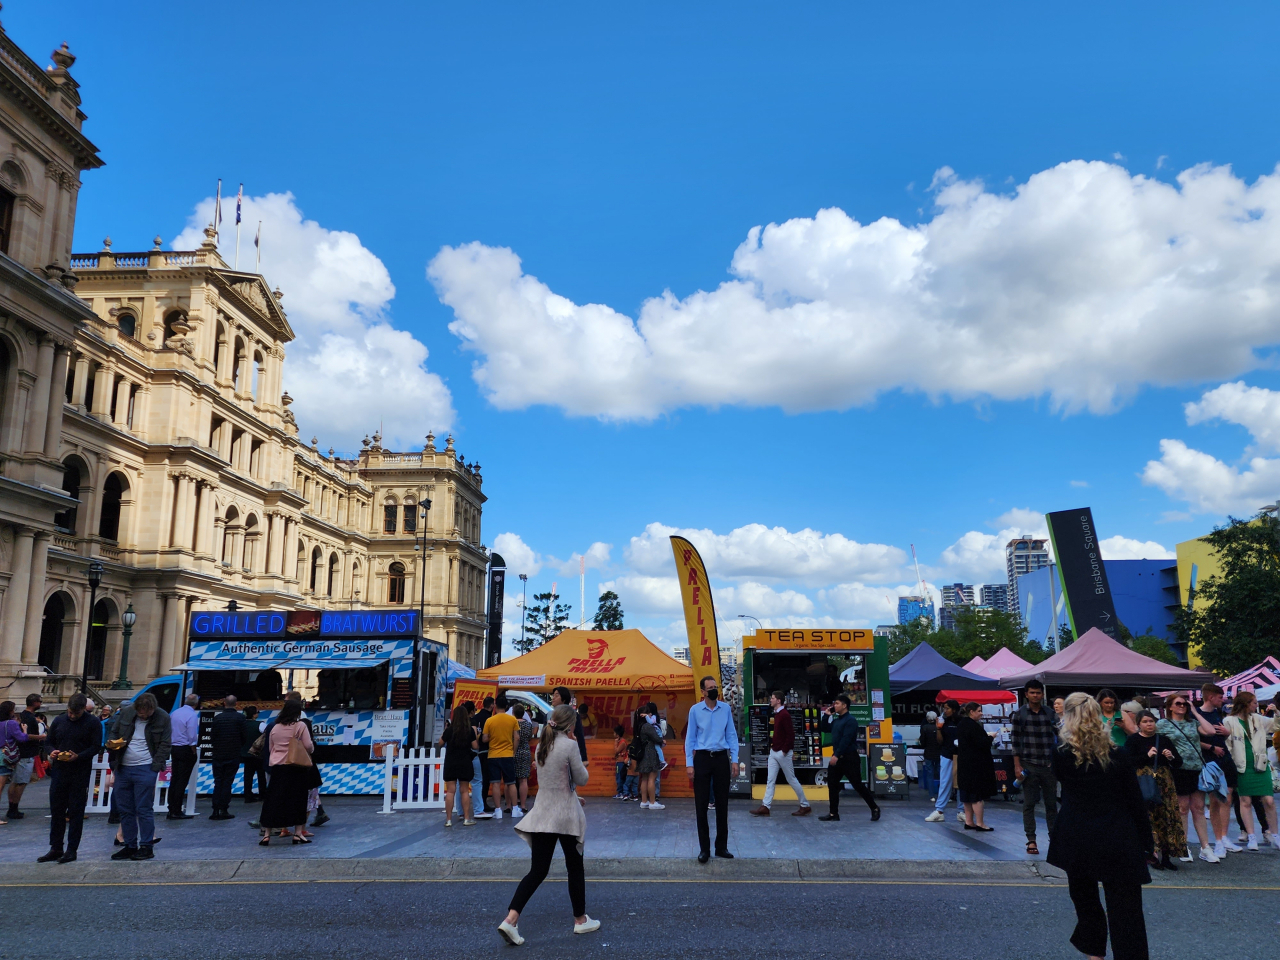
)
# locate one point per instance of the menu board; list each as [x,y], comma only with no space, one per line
[887,765]
[401,693]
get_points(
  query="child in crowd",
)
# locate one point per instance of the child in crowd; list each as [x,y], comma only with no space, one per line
[620,760]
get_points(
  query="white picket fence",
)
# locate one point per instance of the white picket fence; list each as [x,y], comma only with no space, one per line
[101,783]
[414,781]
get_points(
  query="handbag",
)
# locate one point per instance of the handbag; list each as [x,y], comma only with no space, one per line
[1147,781]
[11,753]
[258,746]
[296,755]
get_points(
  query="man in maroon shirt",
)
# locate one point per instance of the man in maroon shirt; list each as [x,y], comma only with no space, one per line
[781,746]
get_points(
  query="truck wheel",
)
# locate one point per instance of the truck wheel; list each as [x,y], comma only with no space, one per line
[820,778]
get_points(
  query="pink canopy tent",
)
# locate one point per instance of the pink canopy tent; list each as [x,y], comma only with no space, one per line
[1095,660]
[1265,674]
[1003,663]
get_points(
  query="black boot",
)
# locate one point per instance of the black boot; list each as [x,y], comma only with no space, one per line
[1166,862]
[321,817]
[14,813]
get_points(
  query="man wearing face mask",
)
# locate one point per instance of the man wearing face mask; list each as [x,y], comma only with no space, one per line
[711,758]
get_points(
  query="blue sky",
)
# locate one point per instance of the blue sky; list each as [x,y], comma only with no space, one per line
[1019,335]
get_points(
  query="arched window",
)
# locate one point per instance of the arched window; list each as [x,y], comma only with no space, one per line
[390,517]
[96,657]
[236,359]
[395,583]
[317,558]
[229,536]
[71,487]
[259,371]
[333,572]
[251,533]
[355,580]
[56,611]
[219,346]
[127,324]
[410,517]
[112,493]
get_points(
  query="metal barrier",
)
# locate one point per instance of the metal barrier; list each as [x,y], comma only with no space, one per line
[101,783]
[414,781]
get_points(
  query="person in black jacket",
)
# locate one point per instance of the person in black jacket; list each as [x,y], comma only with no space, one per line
[1103,835]
[226,736]
[975,768]
[1155,755]
[74,740]
[250,730]
[845,761]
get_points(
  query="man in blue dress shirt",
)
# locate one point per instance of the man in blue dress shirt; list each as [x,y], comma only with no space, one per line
[711,757]
[185,725]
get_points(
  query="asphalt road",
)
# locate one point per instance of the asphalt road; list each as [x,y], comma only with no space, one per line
[652,920]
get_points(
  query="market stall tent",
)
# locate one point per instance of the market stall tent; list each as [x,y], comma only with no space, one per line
[976,696]
[975,665]
[1264,675]
[1095,660]
[925,669]
[611,673]
[1003,663]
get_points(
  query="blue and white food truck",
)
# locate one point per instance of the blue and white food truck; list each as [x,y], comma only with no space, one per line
[353,668]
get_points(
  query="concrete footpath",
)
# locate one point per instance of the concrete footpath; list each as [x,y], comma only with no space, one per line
[623,842]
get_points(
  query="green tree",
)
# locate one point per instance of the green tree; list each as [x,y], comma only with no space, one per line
[1236,620]
[981,633]
[1152,646]
[545,618]
[609,613]
[907,636]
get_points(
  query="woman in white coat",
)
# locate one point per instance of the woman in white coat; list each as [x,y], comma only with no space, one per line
[556,817]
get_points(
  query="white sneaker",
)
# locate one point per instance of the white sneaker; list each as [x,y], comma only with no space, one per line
[1219,850]
[1243,837]
[656,806]
[1253,843]
[482,815]
[587,926]
[516,813]
[644,804]
[497,814]
[960,817]
[1275,840]
[1187,858]
[1208,856]
[510,933]
[1230,847]
[935,817]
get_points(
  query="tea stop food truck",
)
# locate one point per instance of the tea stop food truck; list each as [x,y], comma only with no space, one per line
[354,670]
[810,668]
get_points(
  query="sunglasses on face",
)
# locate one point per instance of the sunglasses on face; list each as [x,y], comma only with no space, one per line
[1179,703]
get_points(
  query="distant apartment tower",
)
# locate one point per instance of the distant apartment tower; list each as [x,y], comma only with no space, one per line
[995,596]
[954,596]
[1021,556]
[911,609]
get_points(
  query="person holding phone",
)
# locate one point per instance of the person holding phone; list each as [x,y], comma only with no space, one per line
[845,760]
[74,740]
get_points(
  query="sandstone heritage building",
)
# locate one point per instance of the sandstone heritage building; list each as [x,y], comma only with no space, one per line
[144,426]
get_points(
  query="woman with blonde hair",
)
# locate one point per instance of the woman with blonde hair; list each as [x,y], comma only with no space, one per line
[557,817]
[1247,744]
[1103,834]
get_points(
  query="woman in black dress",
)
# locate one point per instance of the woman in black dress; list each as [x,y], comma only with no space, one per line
[1103,835]
[976,773]
[460,745]
[1155,755]
[285,804]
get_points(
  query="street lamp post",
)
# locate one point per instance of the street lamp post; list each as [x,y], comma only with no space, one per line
[747,616]
[524,605]
[425,508]
[128,619]
[95,578]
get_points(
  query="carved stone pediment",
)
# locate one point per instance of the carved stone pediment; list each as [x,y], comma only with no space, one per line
[252,292]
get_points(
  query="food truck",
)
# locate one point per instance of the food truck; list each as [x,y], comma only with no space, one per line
[354,669]
[810,668]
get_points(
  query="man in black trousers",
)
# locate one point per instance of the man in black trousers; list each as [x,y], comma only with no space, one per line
[75,738]
[845,761]
[226,734]
[250,730]
[711,752]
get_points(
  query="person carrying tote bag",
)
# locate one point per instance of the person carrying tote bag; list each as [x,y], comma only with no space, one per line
[289,749]
[557,817]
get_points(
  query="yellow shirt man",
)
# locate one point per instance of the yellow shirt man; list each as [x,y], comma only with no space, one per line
[501,729]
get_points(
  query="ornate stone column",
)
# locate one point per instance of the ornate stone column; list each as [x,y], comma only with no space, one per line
[169,633]
[35,597]
[57,395]
[38,416]
[121,419]
[14,619]
[81,382]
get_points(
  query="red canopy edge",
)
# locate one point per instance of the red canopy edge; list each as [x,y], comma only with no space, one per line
[977,696]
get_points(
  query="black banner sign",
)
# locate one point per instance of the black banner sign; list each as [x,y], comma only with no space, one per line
[493,637]
[1084,578]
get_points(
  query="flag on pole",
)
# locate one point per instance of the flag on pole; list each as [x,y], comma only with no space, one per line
[217,208]
[257,247]
[239,199]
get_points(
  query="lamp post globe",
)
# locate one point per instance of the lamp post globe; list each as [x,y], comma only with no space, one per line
[94,576]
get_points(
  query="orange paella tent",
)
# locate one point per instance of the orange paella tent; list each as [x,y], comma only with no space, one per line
[613,673]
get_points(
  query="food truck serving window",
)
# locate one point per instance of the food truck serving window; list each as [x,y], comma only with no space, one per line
[359,688]
[247,686]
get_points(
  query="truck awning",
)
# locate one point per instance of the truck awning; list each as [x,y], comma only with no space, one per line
[298,664]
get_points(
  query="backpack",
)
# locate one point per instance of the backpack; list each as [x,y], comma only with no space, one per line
[636,749]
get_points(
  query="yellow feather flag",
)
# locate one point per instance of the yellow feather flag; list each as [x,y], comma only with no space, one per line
[699,612]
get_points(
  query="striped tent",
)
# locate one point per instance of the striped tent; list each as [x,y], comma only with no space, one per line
[1264,674]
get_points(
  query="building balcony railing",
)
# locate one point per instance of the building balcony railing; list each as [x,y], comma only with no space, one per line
[151,259]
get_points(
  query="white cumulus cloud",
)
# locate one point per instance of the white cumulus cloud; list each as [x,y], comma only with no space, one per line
[761,600]
[978,557]
[349,368]
[520,557]
[650,596]
[757,552]
[1210,486]
[1254,408]
[1084,283]
[1123,548]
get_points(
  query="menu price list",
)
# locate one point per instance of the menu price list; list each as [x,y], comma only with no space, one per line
[805,719]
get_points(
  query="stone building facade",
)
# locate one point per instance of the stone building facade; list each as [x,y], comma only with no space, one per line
[145,427]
